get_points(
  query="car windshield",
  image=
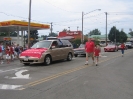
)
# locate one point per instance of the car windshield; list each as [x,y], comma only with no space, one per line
[81,46]
[44,44]
[111,45]
[128,42]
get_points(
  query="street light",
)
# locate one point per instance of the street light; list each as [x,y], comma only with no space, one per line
[77,28]
[29,24]
[82,35]
[106,27]
[69,28]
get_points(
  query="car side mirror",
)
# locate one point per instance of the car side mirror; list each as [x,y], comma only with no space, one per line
[69,45]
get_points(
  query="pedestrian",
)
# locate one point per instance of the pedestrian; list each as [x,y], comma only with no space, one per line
[17,50]
[89,48]
[97,51]
[1,54]
[122,48]
[3,51]
[8,55]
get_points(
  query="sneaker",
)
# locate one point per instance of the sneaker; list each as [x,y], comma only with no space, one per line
[2,62]
[96,64]
[86,63]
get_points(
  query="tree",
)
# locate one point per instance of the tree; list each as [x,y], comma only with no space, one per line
[94,32]
[115,34]
[64,30]
[96,40]
[131,33]
[123,37]
[34,34]
[53,34]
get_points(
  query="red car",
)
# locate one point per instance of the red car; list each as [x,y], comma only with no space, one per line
[119,47]
[111,48]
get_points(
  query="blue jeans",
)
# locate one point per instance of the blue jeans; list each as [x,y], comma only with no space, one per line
[122,51]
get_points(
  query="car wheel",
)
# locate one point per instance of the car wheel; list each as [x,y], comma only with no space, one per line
[26,63]
[47,60]
[69,57]
[76,55]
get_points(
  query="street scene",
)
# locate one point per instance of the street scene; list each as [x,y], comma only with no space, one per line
[62,79]
[62,49]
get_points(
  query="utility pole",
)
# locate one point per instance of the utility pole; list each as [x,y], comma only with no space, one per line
[106,27]
[82,29]
[77,28]
[51,28]
[29,24]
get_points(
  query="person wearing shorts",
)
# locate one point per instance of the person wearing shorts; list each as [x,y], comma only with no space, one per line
[8,55]
[89,48]
[97,50]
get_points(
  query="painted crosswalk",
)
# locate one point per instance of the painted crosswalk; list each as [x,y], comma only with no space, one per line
[9,87]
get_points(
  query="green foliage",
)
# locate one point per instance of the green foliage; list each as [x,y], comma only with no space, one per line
[3,34]
[76,42]
[64,30]
[122,37]
[53,34]
[94,32]
[96,40]
[34,34]
[12,34]
[116,34]
[131,33]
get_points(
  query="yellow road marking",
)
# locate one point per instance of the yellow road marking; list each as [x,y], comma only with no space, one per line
[61,74]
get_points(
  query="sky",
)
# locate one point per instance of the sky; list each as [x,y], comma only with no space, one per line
[68,13]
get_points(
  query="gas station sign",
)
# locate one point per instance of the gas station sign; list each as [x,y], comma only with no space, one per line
[7,38]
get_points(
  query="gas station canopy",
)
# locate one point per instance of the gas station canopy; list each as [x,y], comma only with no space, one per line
[15,25]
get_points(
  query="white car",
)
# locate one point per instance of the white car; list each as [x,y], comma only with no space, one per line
[129,44]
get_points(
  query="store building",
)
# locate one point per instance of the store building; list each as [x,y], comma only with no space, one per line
[70,34]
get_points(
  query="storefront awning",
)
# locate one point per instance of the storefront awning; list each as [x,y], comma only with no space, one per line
[15,25]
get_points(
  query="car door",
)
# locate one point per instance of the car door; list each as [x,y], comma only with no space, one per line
[55,51]
[65,49]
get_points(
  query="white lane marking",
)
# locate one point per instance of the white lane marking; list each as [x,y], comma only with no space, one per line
[102,56]
[15,69]
[1,70]
[19,75]
[7,87]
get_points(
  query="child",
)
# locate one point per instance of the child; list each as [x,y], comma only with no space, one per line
[97,50]
[8,55]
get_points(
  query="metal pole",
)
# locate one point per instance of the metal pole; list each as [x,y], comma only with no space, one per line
[77,28]
[106,28]
[82,29]
[29,24]
[24,39]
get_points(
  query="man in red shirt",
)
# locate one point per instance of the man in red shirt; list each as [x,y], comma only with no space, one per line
[89,48]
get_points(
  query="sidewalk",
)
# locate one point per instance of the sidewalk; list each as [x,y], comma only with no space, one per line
[15,61]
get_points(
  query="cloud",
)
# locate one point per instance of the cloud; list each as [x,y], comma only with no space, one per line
[68,13]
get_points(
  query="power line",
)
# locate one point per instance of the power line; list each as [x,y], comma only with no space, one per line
[61,8]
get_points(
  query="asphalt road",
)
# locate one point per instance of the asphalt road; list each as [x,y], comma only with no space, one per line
[111,79]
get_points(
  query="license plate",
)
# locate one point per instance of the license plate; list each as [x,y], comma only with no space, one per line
[26,59]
